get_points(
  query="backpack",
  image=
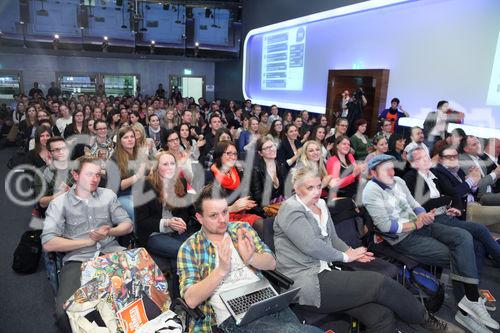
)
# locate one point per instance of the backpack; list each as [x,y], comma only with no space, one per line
[28,252]
[425,285]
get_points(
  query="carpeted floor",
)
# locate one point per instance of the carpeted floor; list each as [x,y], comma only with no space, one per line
[26,301]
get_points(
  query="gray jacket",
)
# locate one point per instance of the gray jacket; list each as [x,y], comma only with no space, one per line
[299,247]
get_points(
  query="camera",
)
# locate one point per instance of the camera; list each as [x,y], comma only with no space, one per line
[359,93]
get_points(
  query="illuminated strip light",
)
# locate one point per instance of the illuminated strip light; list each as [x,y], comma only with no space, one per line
[481,132]
[341,11]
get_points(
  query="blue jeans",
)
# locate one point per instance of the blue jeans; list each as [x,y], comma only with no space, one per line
[127,203]
[167,246]
[284,321]
[443,246]
[482,238]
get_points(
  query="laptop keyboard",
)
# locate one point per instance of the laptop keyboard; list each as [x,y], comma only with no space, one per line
[242,303]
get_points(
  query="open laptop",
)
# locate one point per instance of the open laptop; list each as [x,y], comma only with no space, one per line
[255,300]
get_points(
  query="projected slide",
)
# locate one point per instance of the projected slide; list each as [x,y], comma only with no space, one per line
[283,57]
[287,63]
[494,89]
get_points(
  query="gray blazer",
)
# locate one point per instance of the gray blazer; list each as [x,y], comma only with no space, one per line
[299,247]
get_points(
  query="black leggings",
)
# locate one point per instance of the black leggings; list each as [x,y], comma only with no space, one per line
[370,297]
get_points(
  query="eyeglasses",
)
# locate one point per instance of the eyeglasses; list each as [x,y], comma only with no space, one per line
[273,147]
[450,157]
[230,154]
[173,140]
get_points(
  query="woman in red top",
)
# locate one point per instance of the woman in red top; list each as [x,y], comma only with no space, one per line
[229,178]
[342,167]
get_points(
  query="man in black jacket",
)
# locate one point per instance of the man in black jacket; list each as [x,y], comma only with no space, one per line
[454,181]
[426,189]
[473,156]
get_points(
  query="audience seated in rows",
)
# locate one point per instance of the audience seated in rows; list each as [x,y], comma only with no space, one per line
[172,148]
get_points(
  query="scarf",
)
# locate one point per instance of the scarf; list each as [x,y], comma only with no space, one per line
[229,181]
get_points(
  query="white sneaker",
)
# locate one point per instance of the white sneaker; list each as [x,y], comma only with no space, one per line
[469,323]
[478,311]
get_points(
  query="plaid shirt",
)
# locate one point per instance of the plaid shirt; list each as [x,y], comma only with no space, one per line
[197,259]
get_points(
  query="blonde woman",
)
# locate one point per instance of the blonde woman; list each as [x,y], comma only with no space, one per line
[311,156]
[169,119]
[147,145]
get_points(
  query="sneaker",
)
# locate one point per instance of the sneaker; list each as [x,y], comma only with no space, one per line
[470,324]
[478,311]
[437,325]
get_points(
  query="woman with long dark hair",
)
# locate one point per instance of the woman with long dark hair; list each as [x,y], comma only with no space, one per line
[40,155]
[156,132]
[318,134]
[228,177]
[289,149]
[173,146]
[131,165]
[268,174]
[343,169]
[189,143]
[276,132]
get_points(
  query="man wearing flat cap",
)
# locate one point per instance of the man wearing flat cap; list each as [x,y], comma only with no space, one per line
[394,210]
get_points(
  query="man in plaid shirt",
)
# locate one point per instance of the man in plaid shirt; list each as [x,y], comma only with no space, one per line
[223,256]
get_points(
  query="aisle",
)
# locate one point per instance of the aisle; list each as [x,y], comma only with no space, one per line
[26,301]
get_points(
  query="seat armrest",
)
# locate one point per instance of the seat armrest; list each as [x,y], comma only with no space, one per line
[180,304]
[387,235]
[278,279]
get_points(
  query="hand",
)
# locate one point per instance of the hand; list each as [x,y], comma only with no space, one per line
[425,218]
[183,156]
[367,257]
[306,136]
[244,203]
[245,246]
[453,212]
[362,167]
[334,182]
[356,171]
[141,171]
[475,174]
[355,254]
[150,143]
[201,142]
[497,171]
[177,224]
[224,253]
[99,233]
[63,187]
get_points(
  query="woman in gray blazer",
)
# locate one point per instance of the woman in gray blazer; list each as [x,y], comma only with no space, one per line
[306,245]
